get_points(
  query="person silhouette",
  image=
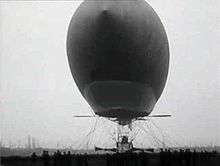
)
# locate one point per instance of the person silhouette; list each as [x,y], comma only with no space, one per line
[46,158]
[33,158]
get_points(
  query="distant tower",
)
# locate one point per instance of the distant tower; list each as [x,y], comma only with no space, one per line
[29,142]
[10,144]
[58,145]
[33,143]
[19,144]
[1,144]
[37,143]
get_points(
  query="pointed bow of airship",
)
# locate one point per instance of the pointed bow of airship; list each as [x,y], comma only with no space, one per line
[119,56]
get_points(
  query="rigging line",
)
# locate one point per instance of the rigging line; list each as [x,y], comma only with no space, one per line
[91,131]
[155,139]
[102,131]
[143,129]
[165,133]
[94,129]
[99,133]
[160,141]
[153,134]
[106,132]
[90,109]
[136,133]
[86,137]
[114,134]
[160,131]
[111,135]
[91,137]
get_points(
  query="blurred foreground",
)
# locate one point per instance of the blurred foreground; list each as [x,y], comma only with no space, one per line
[163,158]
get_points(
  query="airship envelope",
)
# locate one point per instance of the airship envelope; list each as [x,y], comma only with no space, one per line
[118,54]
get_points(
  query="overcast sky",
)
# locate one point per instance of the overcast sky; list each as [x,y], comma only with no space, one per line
[39,97]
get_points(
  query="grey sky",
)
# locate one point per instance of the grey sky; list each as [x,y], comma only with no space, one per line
[38,95]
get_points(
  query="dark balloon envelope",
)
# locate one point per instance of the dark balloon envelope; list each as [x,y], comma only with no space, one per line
[119,57]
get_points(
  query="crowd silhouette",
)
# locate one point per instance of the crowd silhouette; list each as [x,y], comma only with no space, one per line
[165,157]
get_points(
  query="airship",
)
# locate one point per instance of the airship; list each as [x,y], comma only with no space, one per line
[118,53]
